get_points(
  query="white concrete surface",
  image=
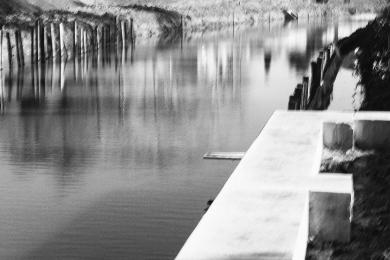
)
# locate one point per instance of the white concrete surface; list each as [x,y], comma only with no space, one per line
[262,211]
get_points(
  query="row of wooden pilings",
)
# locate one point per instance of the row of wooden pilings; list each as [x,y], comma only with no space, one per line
[48,40]
[303,93]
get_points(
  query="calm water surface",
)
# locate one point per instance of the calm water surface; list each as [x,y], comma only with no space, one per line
[104,161]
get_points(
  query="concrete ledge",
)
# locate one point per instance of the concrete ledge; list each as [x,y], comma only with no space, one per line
[263,210]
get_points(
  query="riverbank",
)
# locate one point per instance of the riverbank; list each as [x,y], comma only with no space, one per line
[155,19]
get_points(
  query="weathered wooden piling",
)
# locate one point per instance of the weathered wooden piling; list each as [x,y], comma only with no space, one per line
[291,103]
[116,31]
[41,42]
[36,40]
[328,54]
[109,35]
[98,37]
[21,47]
[321,63]
[94,38]
[300,96]
[123,32]
[75,32]
[296,101]
[132,31]
[49,53]
[305,84]
[81,41]
[62,43]
[9,48]
[46,42]
[32,58]
[1,49]
[85,41]
[18,60]
[315,80]
[182,25]
[53,40]
[103,37]
[232,22]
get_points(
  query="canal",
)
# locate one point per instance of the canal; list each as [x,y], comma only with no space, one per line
[103,160]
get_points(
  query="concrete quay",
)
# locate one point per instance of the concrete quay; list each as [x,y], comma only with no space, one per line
[275,200]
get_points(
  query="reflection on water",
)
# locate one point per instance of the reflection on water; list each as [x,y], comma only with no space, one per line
[102,158]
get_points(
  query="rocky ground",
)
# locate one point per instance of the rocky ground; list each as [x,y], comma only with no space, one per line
[371,210]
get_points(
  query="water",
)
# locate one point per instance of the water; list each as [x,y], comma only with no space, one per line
[104,161]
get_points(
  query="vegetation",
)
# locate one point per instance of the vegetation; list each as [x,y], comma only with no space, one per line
[206,14]
[370,233]
[200,15]
[373,65]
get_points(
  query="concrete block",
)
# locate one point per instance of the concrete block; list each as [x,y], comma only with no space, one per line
[337,136]
[372,135]
[330,216]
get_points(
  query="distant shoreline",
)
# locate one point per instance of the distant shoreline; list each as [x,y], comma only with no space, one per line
[160,19]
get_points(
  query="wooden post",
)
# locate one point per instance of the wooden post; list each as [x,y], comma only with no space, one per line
[75,39]
[41,43]
[328,54]
[301,104]
[53,40]
[38,40]
[123,31]
[109,35]
[116,32]
[45,42]
[117,37]
[17,49]
[1,50]
[42,40]
[48,45]
[232,21]
[82,41]
[9,50]
[320,69]
[291,103]
[99,38]
[182,25]
[79,40]
[314,80]
[322,57]
[62,49]
[93,38]
[298,96]
[32,45]
[103,32]
[21,50]
[305,84]
[131,31]
[85,41]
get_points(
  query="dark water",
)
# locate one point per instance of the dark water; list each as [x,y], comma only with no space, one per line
[104,161]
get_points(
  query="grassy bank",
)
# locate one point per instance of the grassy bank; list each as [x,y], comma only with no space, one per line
[161,20]
[205,15]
